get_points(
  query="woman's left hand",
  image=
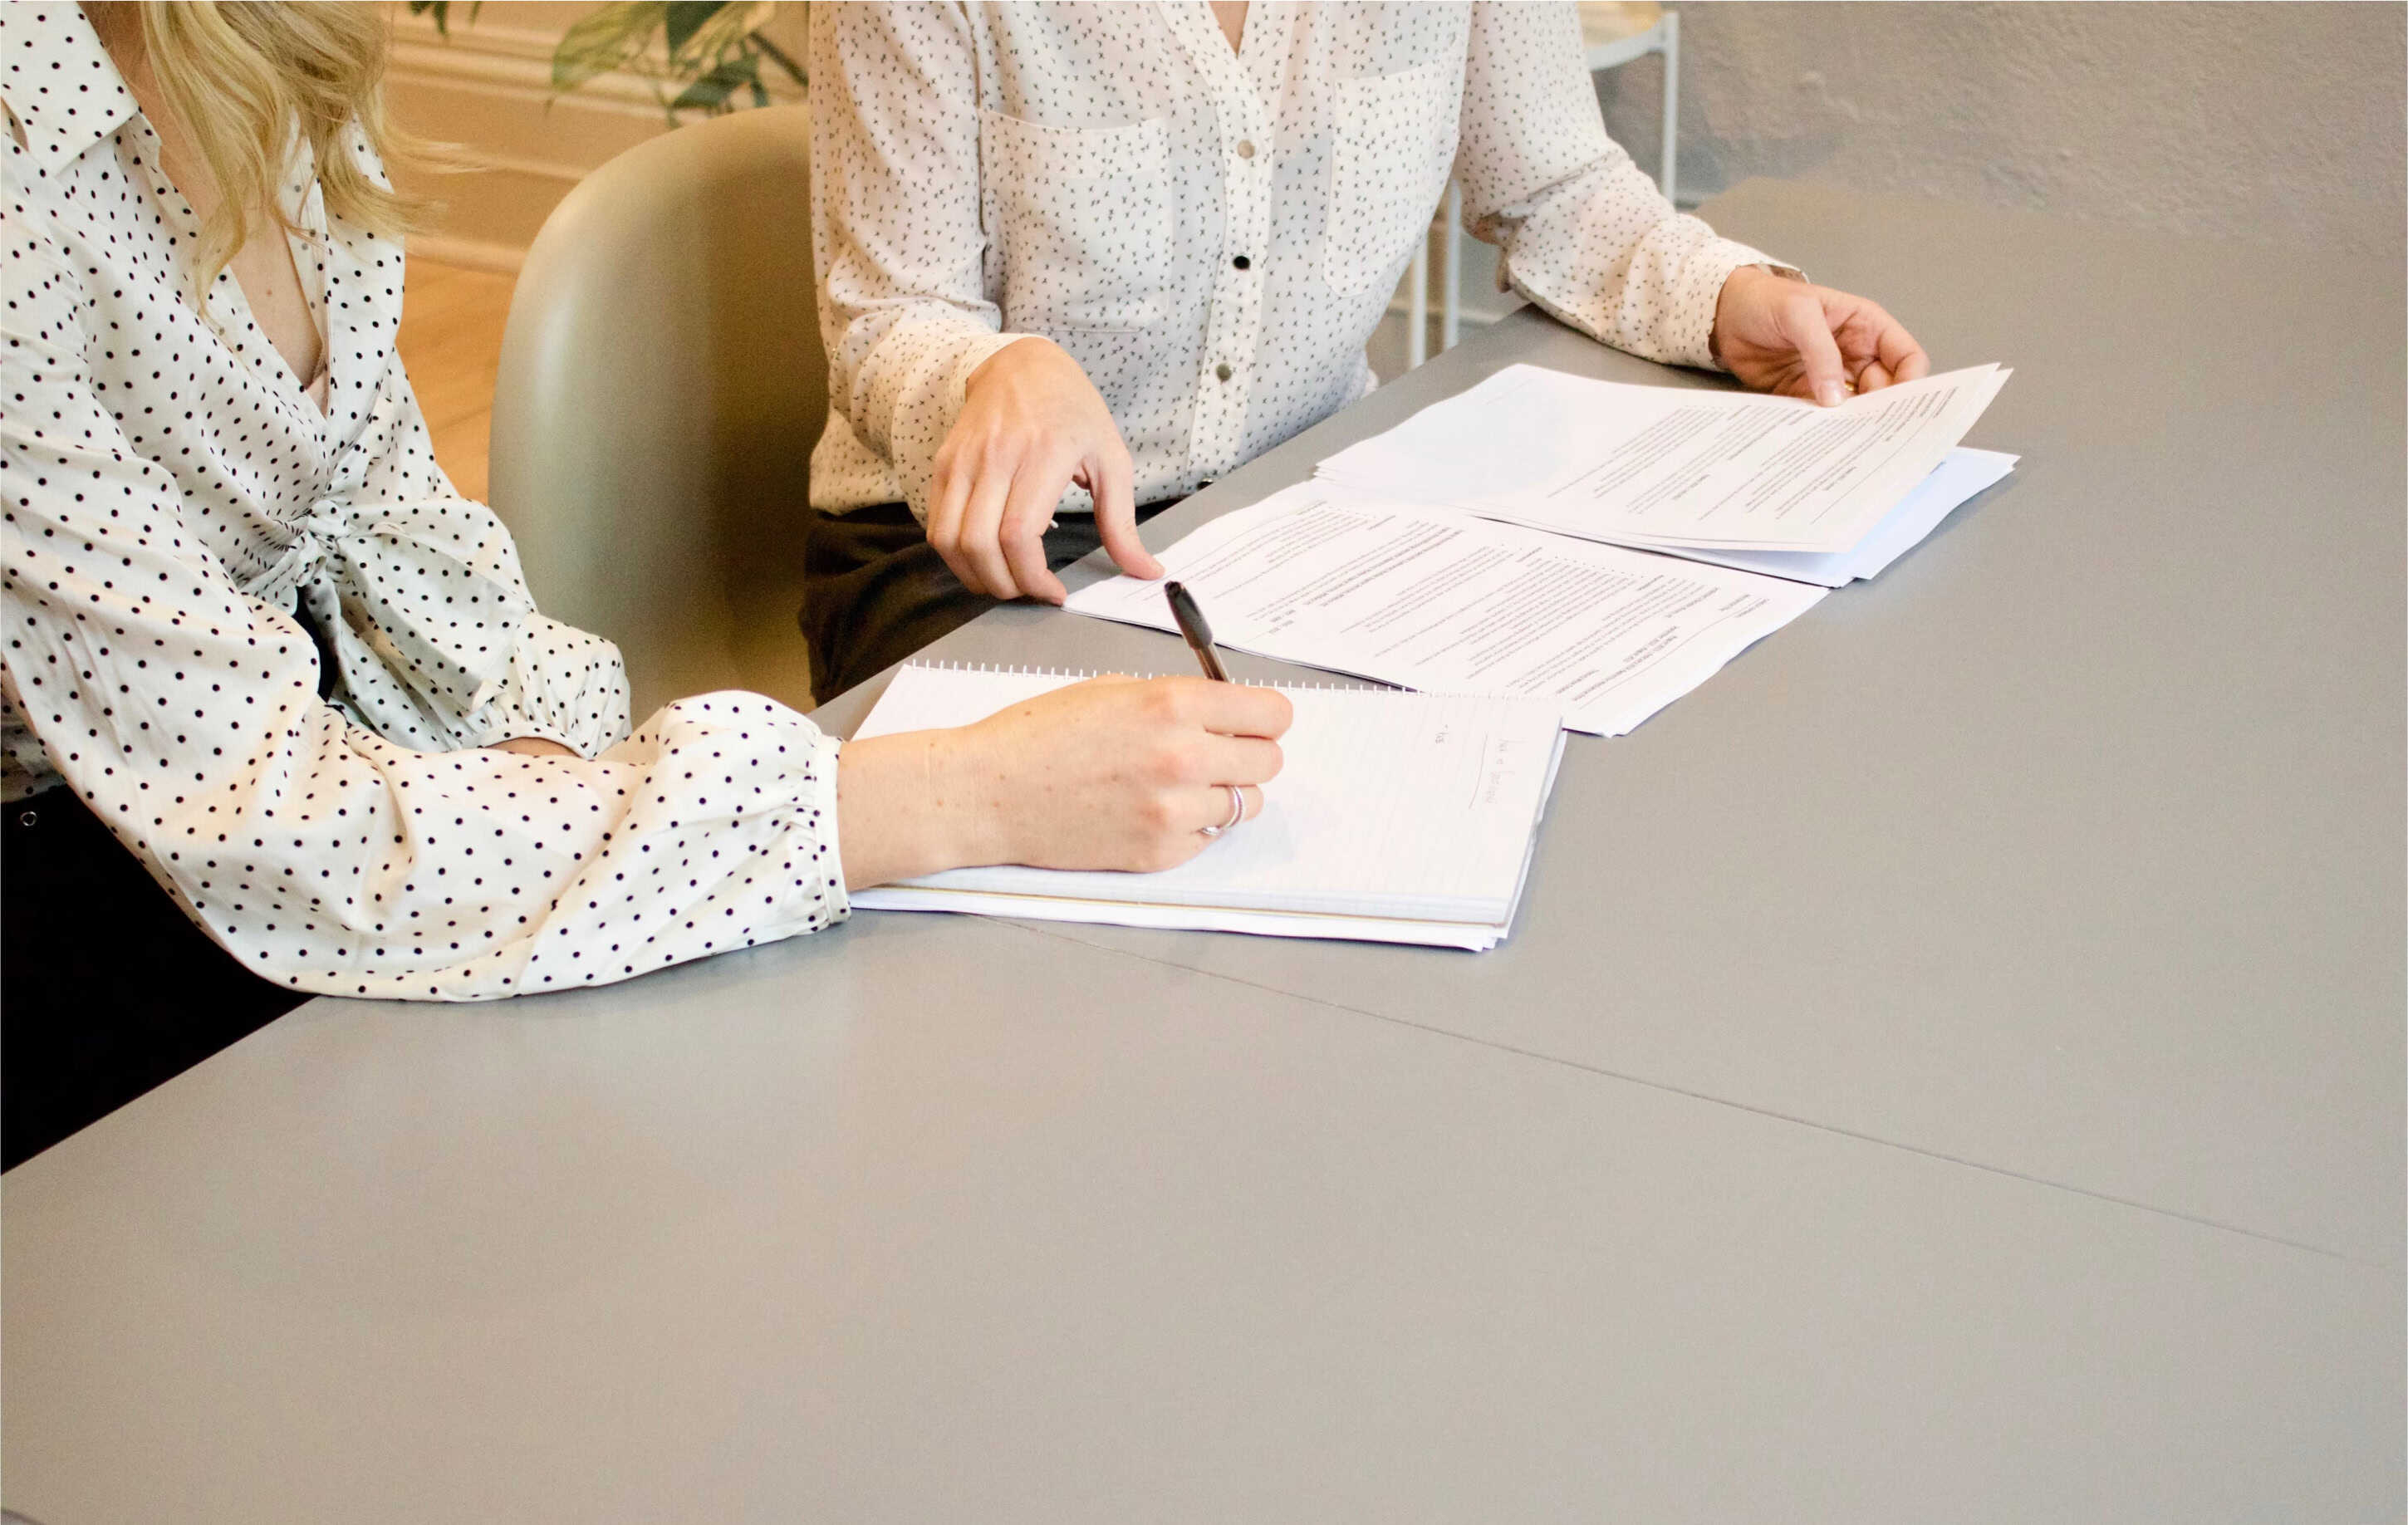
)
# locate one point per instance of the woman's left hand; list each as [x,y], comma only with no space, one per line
[1803,340]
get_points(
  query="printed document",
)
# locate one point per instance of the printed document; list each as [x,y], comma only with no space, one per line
[1437,600]
[1657,466]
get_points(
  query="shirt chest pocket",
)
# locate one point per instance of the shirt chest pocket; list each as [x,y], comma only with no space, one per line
[1392,142]
[1083,216]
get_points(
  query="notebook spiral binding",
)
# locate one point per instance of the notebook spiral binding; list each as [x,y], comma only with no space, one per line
[1075,674]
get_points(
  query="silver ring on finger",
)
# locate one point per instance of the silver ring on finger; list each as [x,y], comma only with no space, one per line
[1237,812]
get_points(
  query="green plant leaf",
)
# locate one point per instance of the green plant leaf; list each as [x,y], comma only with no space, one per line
[727,29]
[441,12]
[609,38]
[709,93]
[683,19]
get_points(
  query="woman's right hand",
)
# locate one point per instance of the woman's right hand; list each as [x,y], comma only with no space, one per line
[1111,773]
[1031,425]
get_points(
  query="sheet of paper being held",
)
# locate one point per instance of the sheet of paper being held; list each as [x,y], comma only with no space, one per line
[1671,466]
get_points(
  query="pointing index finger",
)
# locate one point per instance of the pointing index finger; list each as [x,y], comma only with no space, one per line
[1113,481]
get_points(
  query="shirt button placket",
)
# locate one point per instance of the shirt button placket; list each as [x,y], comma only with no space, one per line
[1236,303]
[1234,316]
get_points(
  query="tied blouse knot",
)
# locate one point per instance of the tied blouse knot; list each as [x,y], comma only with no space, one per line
[426,591]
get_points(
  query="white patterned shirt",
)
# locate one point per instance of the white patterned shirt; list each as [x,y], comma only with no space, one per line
[1212,234]
[172,494]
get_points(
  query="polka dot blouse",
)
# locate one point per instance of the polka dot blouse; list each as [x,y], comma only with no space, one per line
[1213,234]
[173,496]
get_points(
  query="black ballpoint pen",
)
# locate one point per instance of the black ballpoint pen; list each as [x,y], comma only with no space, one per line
[1192,625]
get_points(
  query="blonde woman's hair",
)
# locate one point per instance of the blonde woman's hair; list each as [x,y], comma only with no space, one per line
[245,76]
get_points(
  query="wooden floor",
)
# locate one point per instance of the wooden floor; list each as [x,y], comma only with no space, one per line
[451,340]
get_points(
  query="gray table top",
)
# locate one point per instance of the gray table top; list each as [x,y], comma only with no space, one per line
[2068,847]
[1950,1067]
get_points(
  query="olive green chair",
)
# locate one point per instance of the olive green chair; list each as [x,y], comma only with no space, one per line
[662,383]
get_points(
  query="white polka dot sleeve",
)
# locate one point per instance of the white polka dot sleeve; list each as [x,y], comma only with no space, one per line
[185,712]
[1586,235]
[896,238]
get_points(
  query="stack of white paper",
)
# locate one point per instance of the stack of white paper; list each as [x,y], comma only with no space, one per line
[1395,818]
[1673,468]
[1437,600]
[1606,546]
[1961,475]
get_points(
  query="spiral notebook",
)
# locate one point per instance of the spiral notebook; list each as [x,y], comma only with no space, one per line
[1397,817]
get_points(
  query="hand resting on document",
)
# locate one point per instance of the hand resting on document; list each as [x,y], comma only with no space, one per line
[1781,334]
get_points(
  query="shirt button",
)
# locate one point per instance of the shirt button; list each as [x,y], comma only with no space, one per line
[1222,370]
[1242,263]
[1246,148]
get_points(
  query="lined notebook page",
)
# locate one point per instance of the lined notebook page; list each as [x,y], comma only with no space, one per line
[1390,804]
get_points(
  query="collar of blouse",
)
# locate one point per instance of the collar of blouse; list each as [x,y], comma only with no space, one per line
[379,561]
[61,85]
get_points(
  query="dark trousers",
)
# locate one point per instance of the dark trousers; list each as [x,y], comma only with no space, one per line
[107,989]
[875,592]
